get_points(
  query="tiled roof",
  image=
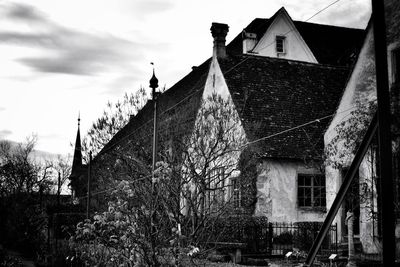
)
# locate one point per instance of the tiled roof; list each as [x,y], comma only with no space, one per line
[273,95]
[329,44]
[186,92]
[270,94]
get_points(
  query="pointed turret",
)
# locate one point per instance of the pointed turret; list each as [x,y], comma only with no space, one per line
[77,160]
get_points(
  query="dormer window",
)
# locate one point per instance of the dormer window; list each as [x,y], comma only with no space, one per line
[280,44]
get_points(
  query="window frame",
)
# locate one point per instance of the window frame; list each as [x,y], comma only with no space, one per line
[395,58]
[312,188]
[283,44]
[235,193]
[215,187]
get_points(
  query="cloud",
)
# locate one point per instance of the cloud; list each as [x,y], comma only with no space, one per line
[153,6]
[145,8]
[49,136]
[345,16]
[66,50]
[23,12]
[5,133]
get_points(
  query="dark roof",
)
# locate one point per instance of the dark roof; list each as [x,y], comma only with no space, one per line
[187,91]
[270,94]
[273,95]
[330,44]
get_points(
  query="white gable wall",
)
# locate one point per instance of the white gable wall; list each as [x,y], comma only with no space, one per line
[234,134]
[216,85]
[360,88]
[296,48]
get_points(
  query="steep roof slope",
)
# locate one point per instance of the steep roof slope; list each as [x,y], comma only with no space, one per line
[329,44]
[279,93]
[186,92]
[273,95]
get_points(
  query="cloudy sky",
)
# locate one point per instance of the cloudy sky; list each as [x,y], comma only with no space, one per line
[64,57]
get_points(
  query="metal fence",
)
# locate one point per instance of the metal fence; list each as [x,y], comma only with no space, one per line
[280,238]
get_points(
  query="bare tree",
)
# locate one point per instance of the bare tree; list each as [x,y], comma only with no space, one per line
[114,117]
[199,149]
[19,172]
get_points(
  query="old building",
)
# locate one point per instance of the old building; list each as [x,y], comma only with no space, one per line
[271,92]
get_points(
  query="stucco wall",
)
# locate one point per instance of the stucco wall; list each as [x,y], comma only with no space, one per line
[296,48]
[277,192]
[215,140]
[359,90]
[368,205]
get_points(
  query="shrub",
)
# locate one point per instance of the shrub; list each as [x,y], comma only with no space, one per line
[304,237]
[284,238]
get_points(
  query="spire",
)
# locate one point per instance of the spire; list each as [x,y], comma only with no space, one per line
[77,160]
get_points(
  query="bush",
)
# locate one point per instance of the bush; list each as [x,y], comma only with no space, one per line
[24,225]
[9,261]
[284,238]
[234,229]
[304,237]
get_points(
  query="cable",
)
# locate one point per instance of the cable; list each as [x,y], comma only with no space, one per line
[196,90]
[325,8]
[317,13]
[248,143]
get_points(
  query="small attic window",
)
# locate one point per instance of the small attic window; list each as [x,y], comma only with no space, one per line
[280,44]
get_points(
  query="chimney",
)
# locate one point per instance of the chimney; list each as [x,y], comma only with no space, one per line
[219,32]
[249,41]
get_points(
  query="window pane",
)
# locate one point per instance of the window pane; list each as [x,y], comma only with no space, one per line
[307,192]
[301,180]
[280,44]
[307,202]
[307,180]
[317,192]
[317,202]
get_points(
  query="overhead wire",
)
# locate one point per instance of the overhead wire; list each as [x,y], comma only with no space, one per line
[317,120]
[198,88]
[314,15]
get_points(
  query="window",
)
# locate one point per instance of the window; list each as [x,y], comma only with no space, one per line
[311,191]
[215,184]
[280,44]
[235,195]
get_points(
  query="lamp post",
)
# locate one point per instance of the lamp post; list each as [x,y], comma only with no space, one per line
[153,86]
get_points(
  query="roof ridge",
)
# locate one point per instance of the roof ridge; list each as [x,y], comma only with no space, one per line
[327,25]
[313,23]
[322,65]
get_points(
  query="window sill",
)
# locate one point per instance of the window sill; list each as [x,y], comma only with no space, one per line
[313,209]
